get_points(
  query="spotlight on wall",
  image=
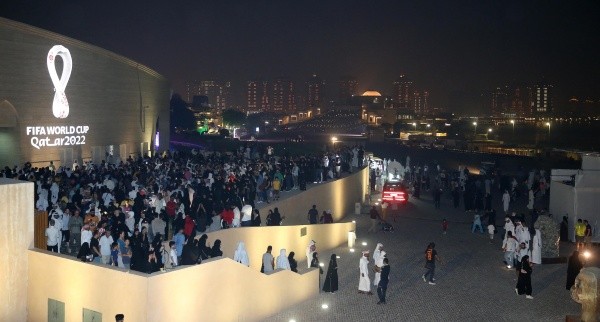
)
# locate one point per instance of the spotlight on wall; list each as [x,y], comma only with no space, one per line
[292,320]
[352,250]
[337,256]
[364,243]
[324,306]
[322,264]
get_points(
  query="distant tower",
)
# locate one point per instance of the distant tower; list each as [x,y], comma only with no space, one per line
[315,92]
[252,95]
[347,87]
[284,98]
[543,99]
[402,92]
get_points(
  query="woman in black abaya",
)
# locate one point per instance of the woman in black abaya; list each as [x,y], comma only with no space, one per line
[524,280]
[331,280]
[573,268]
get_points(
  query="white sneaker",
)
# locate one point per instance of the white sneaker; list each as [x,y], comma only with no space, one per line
[517,291]
[432,283]
[423,277]
[529,297]
[508,266]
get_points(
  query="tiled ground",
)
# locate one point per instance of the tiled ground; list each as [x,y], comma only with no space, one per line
[472,285]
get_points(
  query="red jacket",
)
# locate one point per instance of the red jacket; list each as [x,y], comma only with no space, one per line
[227,216]
[171,208]
[188,226]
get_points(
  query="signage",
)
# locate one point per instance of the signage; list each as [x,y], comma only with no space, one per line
[61,135]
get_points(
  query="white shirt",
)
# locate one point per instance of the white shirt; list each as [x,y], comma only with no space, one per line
[510,244]
[53,235]
[105,243]
[86,237]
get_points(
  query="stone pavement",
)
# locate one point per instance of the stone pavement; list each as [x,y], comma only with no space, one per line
[472,284]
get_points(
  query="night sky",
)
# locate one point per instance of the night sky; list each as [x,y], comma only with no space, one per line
[455,49]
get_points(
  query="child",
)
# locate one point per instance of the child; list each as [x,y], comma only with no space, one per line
[444,226]
[491,230]
[114,254]
[173,253]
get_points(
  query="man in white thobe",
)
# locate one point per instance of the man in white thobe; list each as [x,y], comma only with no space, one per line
[364,284]
[310,249]
[506,201]
[536,248]
[378,256]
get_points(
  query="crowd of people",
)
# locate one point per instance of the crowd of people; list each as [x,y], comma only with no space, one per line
[144,208]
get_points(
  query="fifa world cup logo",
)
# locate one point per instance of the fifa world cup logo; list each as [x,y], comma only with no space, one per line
[60,105]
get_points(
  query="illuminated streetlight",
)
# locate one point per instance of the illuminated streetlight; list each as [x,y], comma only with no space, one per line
[548,125]
[415,125]
[428,125]
[490,130]
[364,243]
[475,124]
[513,124]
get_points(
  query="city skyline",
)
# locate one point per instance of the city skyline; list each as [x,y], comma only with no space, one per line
[454,50]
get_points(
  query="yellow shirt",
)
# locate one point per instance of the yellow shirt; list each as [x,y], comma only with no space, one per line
[580,229]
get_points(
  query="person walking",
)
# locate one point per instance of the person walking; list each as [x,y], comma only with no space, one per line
[524,280]
[505,201]
[313,215]
[374,219]
[383,282]
[476,223]
[364,283]
[431,257]
[331,280]
[310,250]
[580,234]
[267,261]
[378,256]
[509,246]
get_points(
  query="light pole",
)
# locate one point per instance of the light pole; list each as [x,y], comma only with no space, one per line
[415,125]
[333,141]
[548,125]
[513,124]
[475,132]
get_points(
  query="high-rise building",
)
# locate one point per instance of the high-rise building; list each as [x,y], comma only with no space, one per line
[347,87]
[402,92]
[218,92]
[543,99]
[499,101]
[284,99]
[258,95]
[315,91]
[421,102]
[252,95]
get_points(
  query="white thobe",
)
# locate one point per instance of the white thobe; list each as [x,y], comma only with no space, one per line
[536,249]
[364,283]
[378,257]
[506,201]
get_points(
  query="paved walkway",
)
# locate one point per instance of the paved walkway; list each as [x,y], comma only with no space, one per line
[472,285]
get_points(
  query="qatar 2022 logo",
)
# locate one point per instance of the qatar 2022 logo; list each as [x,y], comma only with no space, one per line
[61,135]
[60,104]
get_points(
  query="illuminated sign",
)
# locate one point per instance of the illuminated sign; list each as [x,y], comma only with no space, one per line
[60,105]
[61,135]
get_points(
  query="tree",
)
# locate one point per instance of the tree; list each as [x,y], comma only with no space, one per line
[233,117]
[181,116]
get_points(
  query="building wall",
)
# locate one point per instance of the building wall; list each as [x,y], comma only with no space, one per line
[339,196]
[118,99]
[16,220]
[207,287]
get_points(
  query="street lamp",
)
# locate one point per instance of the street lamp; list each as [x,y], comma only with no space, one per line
[513,124]
[415,125]
[428,125]
[475,124]
[490,130]
[548,125]
[334,139]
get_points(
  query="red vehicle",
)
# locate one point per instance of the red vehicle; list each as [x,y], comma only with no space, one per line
[394,193]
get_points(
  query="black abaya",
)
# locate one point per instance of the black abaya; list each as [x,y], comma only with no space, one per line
[331,280]
[573,269]
[524,281]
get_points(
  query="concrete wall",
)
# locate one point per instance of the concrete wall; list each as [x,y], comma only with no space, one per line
[562,202]
[289,237]
[217,290]
[223,290]
[120,100]
[16,220]
[83,285]
[339,196]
